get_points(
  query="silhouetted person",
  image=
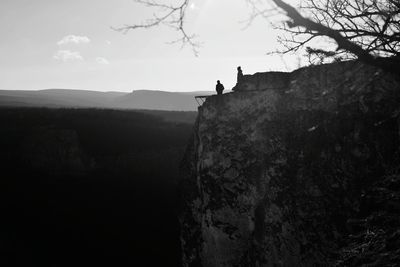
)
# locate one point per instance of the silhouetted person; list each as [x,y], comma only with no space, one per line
[239,78]
[239,75]
[219,88]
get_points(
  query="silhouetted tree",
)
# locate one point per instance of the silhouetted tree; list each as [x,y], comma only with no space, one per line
[365,29]
[172,15]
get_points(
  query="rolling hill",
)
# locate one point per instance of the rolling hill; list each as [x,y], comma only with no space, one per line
[140,99]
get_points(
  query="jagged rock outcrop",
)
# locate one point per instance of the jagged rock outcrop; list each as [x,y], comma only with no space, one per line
[276,172]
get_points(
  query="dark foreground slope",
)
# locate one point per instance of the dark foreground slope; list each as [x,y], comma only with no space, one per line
[304,174]
[89,187]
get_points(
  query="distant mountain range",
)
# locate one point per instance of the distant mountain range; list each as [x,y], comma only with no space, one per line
[140,99]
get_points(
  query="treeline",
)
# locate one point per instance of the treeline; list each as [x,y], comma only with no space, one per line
[87,187]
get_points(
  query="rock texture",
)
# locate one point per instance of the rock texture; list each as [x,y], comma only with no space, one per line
[284,171]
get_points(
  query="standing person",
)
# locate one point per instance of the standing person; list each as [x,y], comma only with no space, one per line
[219,88]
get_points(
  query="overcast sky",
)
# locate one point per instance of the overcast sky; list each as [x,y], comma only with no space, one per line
[70,44]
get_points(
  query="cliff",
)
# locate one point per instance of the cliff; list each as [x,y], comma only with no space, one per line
[291,170]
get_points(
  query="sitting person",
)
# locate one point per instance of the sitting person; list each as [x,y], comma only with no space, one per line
[239,78]
[239,75]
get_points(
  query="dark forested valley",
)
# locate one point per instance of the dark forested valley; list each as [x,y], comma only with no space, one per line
[90,187]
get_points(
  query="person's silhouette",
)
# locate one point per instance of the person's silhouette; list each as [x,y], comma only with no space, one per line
[239,75]
[219,88]
[239,78]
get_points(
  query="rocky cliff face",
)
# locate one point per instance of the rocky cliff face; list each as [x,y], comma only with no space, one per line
[278,175]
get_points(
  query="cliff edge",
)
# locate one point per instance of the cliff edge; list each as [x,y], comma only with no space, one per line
[289,169]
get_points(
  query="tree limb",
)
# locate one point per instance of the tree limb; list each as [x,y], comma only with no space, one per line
[390,64]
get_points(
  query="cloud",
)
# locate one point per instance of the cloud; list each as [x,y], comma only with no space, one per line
[74,39]
[102,60]
[108,42]
[67,55]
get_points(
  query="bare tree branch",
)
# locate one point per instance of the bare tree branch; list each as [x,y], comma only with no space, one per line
[169,15]
[351,36]
[366,29]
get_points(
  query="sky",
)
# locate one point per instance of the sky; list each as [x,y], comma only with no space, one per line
[71,44]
